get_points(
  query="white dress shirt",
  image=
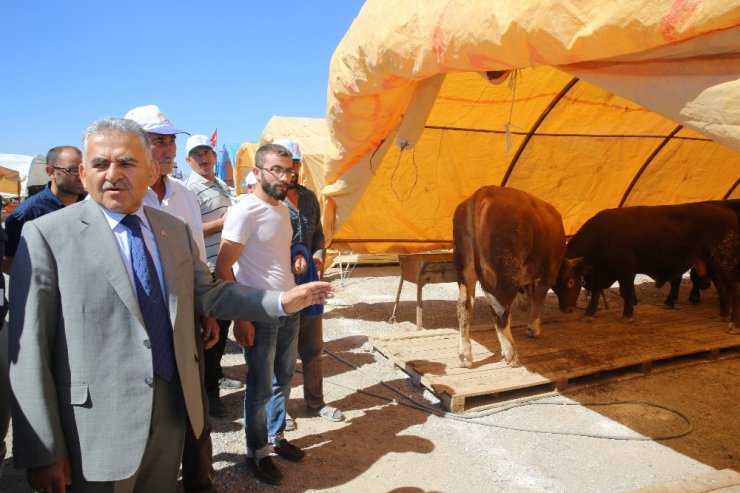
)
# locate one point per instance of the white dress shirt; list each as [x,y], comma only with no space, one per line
[180,201]
[121,233]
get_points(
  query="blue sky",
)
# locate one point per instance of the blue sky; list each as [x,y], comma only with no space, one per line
[229,65]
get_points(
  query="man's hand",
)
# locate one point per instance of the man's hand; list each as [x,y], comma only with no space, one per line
[319,261]
[53,478]
[312,293]
[244,333]
[211,331]
[299,264]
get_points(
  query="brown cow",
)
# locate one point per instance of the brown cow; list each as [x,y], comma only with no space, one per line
[661,241]
[512,243]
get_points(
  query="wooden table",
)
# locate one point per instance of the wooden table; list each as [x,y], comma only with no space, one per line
[423,268]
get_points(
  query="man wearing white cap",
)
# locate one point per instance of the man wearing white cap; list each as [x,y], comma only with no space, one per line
[171,195]
[167,193]
[213,197]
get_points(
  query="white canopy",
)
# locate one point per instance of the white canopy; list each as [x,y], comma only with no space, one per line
[28,170]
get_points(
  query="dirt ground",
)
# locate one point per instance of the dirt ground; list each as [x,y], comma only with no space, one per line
[384,445]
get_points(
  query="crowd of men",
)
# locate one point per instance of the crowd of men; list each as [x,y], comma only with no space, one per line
[123,285]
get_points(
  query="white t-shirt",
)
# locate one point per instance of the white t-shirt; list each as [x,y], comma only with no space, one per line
[266,233]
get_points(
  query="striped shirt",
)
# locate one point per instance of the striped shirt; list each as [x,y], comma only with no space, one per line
[214,201]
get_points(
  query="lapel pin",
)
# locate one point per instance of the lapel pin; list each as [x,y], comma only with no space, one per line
[163,233]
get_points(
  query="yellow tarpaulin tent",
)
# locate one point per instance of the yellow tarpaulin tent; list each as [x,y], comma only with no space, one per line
[586,104]
[312,136]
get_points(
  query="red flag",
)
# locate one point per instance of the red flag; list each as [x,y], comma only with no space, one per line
[214,138]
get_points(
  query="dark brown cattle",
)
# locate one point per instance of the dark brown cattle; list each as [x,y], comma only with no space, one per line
[698,281]
[662,242]
[512,243]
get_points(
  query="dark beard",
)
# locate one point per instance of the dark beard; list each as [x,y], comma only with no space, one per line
[273,191]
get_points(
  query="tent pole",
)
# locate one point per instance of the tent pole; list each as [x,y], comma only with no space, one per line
[647,162]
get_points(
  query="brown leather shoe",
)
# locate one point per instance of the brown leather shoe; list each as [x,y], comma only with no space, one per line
[288,451]
[264,470]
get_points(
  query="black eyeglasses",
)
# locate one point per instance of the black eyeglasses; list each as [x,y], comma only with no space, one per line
[279,171]
[73,171]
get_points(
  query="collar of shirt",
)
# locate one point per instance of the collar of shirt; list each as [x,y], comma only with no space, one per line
[152,198]
[290,205]
[121,234]
[218,183]
[47,194]
[115,218]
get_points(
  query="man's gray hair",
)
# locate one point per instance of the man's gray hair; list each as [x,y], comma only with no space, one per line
[116,125]
[259,156]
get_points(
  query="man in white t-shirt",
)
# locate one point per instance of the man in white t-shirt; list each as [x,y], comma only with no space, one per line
[255,243]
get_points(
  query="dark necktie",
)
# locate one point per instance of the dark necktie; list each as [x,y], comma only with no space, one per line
[151,301]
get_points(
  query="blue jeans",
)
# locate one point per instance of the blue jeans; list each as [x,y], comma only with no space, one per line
[271,363]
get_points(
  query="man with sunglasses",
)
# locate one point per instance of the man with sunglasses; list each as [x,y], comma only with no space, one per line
[64,188]
[255,250]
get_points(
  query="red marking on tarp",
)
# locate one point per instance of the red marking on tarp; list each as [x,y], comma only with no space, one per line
[680,16]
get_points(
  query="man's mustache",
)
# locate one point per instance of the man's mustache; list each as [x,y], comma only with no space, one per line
[118,185]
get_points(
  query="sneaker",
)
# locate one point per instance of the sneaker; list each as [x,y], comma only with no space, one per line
[228,383]
[288,451]
[216,408]
[265,470]
[289,423]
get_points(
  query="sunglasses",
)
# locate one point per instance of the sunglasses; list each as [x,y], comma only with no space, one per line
[73,171]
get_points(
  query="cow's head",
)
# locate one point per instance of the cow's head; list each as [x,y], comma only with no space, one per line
[568,286]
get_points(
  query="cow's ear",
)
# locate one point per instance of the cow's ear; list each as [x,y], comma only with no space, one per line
[575,261]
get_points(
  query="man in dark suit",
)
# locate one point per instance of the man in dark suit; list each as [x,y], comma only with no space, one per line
[103,353]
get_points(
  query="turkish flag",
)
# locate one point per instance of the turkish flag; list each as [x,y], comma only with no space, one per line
[214,138]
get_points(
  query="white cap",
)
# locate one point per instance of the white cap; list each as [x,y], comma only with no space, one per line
[197,141]
[291,145]
[152,120]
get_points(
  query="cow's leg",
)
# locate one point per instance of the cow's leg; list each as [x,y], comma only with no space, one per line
[537,302]
[697,284]
[672,297]
[734,293]
[465,302]
[593,304]
[627,291]
[502,322]
[723,292]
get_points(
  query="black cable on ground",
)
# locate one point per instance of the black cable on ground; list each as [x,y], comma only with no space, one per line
[473,417]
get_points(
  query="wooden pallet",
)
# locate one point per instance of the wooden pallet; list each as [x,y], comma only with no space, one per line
[568,353]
